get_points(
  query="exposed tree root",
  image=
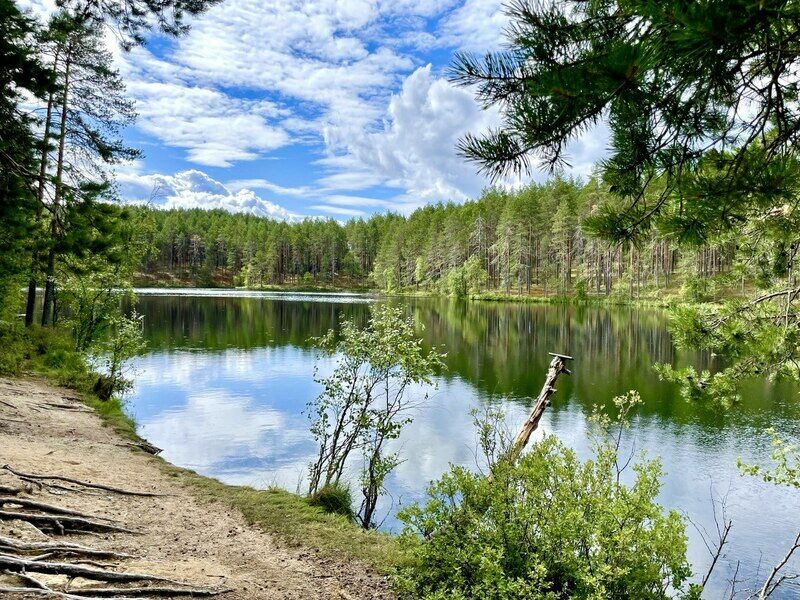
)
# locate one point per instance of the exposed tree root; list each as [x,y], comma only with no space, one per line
[86,484]
[62,523]
[151,591]
[49,508]
[22,566]
[57,405]
[147,447]
[101,576]
[22,547]
[21,592]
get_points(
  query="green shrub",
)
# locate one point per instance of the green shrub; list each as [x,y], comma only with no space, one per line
[698,289]
[334,499]
[13,348]
[546,527]
[581,290]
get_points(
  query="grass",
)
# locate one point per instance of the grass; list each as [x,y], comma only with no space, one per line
[292,519]
[49,354]
[592,300]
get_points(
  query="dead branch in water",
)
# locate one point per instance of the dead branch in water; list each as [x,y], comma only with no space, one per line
[86,484]
[557,366]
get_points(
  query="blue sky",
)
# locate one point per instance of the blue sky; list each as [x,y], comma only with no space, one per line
[293,108]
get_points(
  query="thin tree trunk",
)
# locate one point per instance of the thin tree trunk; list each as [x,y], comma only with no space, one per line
[49,290]
[31,303]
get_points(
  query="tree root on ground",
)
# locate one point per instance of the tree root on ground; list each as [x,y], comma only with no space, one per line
[97,486]
[34,586]
[61,524]
[22,558]
[56,548]
[49,508]
[24,592]
[18,566]
[150,591]
[59,406]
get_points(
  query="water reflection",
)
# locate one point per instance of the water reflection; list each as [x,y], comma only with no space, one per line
[227,378]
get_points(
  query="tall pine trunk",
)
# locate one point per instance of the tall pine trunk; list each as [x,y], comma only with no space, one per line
[49,290]
[30,305]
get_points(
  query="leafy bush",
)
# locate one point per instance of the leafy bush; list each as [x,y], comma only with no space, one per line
[111,357]
[335,499]
[548,526]
[13,348]
[698,289]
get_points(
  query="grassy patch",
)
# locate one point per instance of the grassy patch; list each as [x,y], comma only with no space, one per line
[50,353]
[292,519]
[336,499]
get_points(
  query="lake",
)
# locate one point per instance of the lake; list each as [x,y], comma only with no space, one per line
[227,375]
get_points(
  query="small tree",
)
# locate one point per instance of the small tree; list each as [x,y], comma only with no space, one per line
[365,402]
[112,356]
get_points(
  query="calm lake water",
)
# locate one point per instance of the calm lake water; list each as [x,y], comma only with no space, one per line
[228,375]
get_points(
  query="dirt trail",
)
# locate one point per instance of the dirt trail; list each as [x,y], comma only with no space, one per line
[45,430]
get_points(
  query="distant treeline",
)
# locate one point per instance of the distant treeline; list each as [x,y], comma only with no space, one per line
[529,241]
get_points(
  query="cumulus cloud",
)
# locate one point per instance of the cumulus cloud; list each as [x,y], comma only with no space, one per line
[215,128]
[195,189]
[416,149]
[338,81]
[477,25]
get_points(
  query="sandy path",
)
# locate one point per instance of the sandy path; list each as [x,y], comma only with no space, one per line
[207,544]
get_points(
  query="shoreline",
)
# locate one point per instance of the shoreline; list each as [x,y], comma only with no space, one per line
[661,299]
[293,519]
[46,358]
[335,556]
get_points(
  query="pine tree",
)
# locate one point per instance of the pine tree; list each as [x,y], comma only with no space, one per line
[21,73]
[701,99]
[132,19]
[88,114]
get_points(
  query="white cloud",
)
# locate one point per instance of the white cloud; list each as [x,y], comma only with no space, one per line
[349,174]
[477,25]
[338,210]
[416,150]
[264,184]
[341,78]
[39,8]
[195,189]
[215,128]
[342,200]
